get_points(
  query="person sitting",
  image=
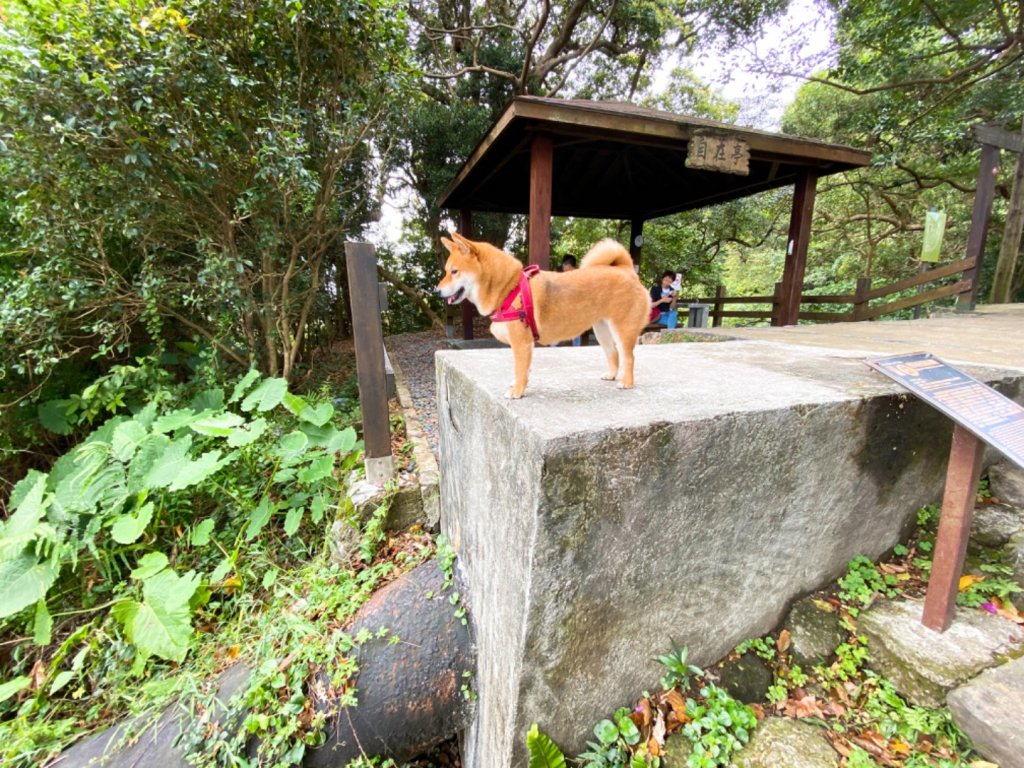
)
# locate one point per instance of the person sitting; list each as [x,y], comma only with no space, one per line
[568,265]
[663,297]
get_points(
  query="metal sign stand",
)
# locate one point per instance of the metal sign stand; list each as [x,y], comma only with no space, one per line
[981,417]
[954,529]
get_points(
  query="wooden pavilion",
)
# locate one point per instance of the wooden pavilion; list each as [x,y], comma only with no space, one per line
[551,157]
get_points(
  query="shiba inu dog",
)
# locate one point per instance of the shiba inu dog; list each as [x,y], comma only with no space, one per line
[528,306]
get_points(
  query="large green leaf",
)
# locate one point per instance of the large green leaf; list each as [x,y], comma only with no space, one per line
[268,394]
[170,464]
[194,472]
[23,581]
[317,470]
[128,528]
[218,424]
[544,753]
[259,517]
[175,420]
[30,503]
[11,687]
[317,415]
[151,450]
[241,436]
[243,384]
[161,625]
[127,439]
[53,415]
[73,474]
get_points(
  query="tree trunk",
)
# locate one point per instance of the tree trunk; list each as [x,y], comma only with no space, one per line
[410,692]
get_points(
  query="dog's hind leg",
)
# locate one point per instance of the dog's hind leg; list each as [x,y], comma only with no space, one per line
[603,332]
[625,340]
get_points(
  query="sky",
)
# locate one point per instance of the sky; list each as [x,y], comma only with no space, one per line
[798,41]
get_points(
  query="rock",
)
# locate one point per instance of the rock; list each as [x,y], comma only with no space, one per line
[814,632]
[925,665]
[747,678]
[677,751]
[1013,555]
[1006,481]
[342,542]
[993,525]
[990,710]
[780,742]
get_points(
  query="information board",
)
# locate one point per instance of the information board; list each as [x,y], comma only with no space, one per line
[985,413]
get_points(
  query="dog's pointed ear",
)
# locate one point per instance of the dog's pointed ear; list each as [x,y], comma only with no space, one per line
[466,245]
[448,244]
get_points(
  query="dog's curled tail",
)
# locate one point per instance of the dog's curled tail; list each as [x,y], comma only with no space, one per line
[608,253]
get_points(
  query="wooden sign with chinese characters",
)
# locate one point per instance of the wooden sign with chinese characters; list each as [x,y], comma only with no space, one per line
[980,415]
[718,152]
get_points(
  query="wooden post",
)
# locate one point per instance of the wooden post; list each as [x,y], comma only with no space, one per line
[716,316]
[954,529]
[636,241]
[1002,282]
[468,310]
[541,159]
[860,299]
[777,305]
[983,195]
[796,249]
[361,265]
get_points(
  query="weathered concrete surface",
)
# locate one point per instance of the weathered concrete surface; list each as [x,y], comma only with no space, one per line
[990,710]
[591,521]
[779,742]
[924,665]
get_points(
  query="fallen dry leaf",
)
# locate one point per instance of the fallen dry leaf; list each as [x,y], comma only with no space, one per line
[782,644]
[969,580]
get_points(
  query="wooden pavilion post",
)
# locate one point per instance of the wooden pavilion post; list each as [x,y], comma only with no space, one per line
[983,196]
[468,310]
[541,176]
[636,241]
[796,248]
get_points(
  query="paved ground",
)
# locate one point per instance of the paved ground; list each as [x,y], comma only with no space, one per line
[992,335]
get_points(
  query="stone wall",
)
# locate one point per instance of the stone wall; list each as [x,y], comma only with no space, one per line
[594,526]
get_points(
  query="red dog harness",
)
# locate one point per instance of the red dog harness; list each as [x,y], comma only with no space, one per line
[507,313]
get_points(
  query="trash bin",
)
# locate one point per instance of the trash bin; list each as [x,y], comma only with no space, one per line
[698,316]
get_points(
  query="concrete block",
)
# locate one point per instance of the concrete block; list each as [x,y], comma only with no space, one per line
[594,524]
[990,710]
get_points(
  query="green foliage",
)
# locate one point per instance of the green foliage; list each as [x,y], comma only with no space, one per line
[158,526]
[720,725]
[762,647]
[544,753]
[615,738]
[863,581]
[164,181]
[996,582]
[850,659]
[678,670]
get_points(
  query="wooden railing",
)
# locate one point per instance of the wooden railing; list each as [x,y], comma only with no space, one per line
[858,303]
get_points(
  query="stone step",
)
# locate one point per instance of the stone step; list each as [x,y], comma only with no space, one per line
[990,710]
[925,665]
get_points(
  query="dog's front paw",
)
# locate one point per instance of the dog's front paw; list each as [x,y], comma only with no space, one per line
[608,377]
[513,395]
[624,385]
